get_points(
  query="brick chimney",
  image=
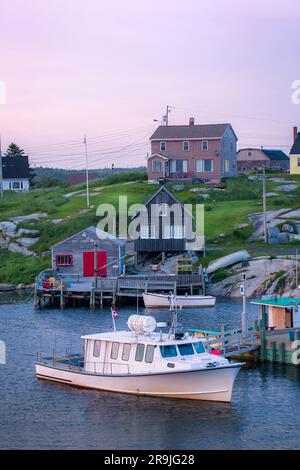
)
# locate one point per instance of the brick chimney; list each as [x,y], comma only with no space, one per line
[295,131]
[191,121]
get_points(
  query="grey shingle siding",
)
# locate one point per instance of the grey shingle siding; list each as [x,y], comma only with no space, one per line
[229,152]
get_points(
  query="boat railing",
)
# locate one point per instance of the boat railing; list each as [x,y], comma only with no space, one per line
[76,364]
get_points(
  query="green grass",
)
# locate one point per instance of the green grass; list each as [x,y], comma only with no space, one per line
[224,211]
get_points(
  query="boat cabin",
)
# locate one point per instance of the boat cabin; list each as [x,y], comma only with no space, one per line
[279,313]
[127,352]
[88,253]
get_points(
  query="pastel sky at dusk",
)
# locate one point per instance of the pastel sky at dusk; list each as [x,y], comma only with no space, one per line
[107,68]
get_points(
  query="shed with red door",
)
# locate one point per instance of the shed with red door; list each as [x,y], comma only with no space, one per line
[90,252]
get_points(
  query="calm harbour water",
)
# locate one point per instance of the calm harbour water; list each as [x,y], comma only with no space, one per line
[264,413]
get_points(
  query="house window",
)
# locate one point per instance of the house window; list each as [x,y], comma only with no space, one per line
[163,209]
[156,166]
[163,146]
[226,166]
[64,260]
[204,165]
[249,154]
[147,231]
[298,161]
[186,145]
[139,354]
[149,353]
[16,185]
[204,144]
[178,166]
[114,350]
[126,352]
[96,349]
[174,231]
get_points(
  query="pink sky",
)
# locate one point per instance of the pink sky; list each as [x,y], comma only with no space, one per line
[108,67]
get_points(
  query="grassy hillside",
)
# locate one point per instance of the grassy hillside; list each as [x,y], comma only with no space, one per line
[224,211]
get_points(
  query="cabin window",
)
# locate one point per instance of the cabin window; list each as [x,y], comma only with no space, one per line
[147,231]
[114,350]
[156,166]
[163,146]
[139,353]
[149,353]
[168,351]
[204,144]
[64,260]
[174,231]
[204,165]
[126,352]
[186,145]
[186,349]
[199,348]
[96,349]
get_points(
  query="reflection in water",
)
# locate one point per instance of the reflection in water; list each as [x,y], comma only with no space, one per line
[37,414]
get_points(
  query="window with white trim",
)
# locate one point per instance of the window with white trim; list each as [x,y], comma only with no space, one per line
[64,260]
[149,353]
[185,145]
[163,146]
[226,166]
[174,231]
[16,185]
[126,351]
[204,144]
[96,348]
[177,166]
[203,166]
[156,166]
[147,231]
[114,350]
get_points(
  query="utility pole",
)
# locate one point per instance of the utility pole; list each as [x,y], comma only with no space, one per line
[1,173]
[244,312]
[166,117]
[264,205]
[86,172]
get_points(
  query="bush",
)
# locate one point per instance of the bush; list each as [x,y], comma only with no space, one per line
[220,275]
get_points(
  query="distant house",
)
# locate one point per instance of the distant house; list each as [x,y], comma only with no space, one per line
[192,152]
[80,178]
[165,226]
[84,253]
[252,159]
[15,173]
[295,153]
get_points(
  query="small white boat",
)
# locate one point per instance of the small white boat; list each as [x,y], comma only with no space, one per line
[152,300]
[142,361]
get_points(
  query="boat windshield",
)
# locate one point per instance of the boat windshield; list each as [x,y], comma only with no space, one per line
[186,349]
[199,348]
[168,351]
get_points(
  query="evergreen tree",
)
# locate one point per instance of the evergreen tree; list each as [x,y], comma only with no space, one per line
[14,150]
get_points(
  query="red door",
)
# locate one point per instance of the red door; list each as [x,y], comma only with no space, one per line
[89,263]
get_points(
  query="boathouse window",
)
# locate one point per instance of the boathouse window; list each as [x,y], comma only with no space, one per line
[168,351]
[199,348]
[149,353]
[139,354]
[96,350]
[114,350]
[174,231]
[186,349]
[126,352]
[163,209]
[147,231]
[64,260]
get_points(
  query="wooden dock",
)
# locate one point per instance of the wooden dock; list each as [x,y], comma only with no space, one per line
[95,291]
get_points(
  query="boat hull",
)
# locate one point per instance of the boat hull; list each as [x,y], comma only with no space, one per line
[214,384]
[159,300]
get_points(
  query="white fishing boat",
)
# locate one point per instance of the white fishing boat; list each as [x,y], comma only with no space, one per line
[143,361]
[152,300]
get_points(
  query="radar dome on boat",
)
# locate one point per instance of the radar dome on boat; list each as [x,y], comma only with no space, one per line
[141,323]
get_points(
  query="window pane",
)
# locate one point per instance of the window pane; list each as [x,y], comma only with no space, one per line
[114,350]
[185,145]
[205,145]
[149,353]
[126,352]
[16,185]
[199,165]
[156,166]
[207,165]
[168,351]
[139,354]
[199,348]
[186,349]
[96,351]
[184,166]
[163,146]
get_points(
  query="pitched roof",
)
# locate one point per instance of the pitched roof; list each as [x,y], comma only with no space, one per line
[96,233]
[275,154]
[199,131]
[79,178]
[295,150]
[15,167]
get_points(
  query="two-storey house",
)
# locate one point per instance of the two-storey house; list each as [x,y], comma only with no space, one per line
[192,152]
